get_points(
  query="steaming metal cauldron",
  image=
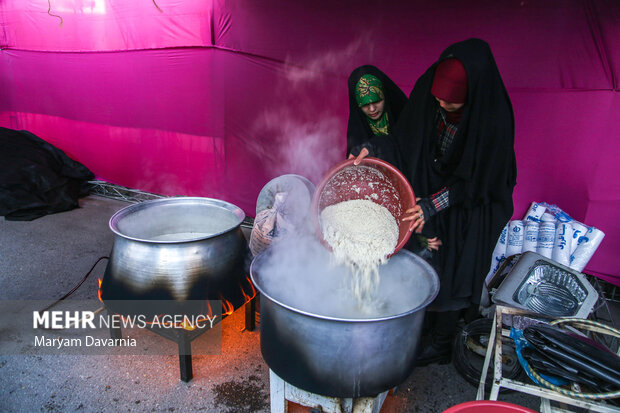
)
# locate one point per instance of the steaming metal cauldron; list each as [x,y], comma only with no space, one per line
[176,250]
[341,357]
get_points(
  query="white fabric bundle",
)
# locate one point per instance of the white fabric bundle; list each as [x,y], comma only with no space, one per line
[530,237]
[586,248]
[562,244]
[579,231]
[499,253]
[547,217]
[546,238]
[535,212]
[514,244]
[559,236]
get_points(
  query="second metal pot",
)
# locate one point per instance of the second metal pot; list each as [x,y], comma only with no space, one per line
[176,249]
[340,357]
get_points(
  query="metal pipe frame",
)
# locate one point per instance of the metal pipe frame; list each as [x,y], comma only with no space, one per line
[546,395]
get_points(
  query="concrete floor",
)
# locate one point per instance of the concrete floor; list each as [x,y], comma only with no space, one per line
[45,258]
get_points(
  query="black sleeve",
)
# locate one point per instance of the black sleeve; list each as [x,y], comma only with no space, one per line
[383,147]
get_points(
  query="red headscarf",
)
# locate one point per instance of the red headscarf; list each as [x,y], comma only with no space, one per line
[450,81]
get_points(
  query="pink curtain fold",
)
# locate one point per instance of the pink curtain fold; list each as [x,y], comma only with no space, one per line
[215,98]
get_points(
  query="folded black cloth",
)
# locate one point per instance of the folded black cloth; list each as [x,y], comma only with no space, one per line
[574,355]
[36,178]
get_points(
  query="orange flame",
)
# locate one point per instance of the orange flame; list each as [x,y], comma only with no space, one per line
[186,326]
[246,296]
[227,307]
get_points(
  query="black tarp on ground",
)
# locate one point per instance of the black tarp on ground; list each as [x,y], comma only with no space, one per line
[37,178]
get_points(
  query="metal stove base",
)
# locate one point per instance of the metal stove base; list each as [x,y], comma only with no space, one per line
[184,338]
[282,392]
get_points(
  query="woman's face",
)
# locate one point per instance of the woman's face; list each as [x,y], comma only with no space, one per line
[449,107]
[374,110]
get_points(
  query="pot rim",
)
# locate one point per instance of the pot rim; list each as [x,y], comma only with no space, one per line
[126,211]
[429,270]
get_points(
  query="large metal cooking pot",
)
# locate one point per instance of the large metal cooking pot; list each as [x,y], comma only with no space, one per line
[341,357]
[176,249]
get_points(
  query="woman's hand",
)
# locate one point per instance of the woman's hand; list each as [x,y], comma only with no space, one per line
[358,159]
[433,243]
[416,216]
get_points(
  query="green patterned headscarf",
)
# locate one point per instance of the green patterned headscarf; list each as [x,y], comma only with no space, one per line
[369,89]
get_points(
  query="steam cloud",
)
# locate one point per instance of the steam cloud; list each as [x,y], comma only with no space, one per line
[301,273]
[310,129]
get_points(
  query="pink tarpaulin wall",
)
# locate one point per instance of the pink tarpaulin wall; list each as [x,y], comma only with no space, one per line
[214,98]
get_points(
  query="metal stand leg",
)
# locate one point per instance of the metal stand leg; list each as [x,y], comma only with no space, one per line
[185,359]
[497,376]
[545,405]
[276,393]
[485,367]
[250,314]
[115,332]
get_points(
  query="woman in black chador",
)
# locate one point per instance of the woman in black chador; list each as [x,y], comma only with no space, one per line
[457,138]
[375,103]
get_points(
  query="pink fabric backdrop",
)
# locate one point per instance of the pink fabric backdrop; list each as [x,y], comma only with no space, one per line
[214,98]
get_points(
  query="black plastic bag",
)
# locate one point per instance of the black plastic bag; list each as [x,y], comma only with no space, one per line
[36,178]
